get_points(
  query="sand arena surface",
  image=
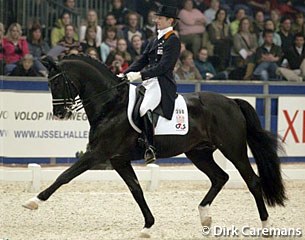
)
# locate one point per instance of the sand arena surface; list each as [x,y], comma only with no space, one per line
[106,210]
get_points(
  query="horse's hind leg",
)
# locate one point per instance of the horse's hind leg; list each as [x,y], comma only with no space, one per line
[85,163]
[203,160]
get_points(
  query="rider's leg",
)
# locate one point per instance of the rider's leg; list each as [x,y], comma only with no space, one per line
[148,131]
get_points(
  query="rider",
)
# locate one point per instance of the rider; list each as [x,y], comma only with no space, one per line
[155,67]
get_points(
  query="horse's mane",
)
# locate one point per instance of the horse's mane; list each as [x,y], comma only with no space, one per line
[97,64]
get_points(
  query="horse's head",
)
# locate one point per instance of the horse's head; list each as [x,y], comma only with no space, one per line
[62,88]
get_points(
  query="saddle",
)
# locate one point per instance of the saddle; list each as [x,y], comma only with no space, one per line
[140,91]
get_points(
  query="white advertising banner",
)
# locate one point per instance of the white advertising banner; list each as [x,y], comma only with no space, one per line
[27,127]
[291,124]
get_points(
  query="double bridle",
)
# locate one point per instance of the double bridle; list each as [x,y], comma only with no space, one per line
[76,104]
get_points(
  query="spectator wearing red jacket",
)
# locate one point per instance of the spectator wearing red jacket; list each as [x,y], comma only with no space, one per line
[16,47]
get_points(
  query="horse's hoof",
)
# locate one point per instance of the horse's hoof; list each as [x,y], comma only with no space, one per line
[145,233]
[206,222]
[32,203]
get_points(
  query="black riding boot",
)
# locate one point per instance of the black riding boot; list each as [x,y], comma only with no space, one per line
[148,130]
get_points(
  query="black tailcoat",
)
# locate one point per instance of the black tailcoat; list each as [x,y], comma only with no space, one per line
[158,60]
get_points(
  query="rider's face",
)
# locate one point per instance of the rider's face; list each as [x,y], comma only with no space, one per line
[163,22]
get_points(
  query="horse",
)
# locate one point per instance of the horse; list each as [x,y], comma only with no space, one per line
[215,122]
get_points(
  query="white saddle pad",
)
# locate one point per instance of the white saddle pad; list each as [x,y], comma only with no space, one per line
[179,125]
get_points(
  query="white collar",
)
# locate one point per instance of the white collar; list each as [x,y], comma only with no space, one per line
[162,32]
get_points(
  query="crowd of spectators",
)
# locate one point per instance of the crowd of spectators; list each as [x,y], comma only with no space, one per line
[241,40]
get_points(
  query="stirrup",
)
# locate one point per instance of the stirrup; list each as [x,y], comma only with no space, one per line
[150,155]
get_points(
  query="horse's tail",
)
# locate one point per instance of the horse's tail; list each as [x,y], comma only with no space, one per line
[264,146]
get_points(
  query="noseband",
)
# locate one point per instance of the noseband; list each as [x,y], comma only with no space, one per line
[76,104]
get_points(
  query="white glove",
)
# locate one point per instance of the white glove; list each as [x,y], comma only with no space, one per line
[133,76]
[120,75]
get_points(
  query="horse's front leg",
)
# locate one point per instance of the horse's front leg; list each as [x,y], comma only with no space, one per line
[87,161]
[128,175]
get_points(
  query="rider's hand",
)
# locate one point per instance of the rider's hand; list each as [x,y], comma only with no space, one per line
[120,75]
[133,76]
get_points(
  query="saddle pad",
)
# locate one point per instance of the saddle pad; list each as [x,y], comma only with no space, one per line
[178,125]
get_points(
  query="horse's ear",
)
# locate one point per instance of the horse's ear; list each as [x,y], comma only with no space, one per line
[49,63]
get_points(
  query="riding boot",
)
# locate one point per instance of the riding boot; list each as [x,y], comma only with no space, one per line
[148,130]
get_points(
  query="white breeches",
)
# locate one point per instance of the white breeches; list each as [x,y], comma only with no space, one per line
[152,96]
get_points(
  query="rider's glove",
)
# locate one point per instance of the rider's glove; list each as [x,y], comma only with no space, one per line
[133,76]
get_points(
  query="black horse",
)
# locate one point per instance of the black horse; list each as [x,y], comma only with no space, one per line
[216,122]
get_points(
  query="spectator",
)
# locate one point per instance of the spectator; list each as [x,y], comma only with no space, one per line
[133,27]
[275,16]
[150,28]
[119,11]
[25,67]
[285,33]
[119,64]
[110,21]
[258,24]
[269,25]
[206,69]
[268,57]
[187,71]
[69,5]
[240,13]
[122,49]
[299,5]
[38,48]
[2,30]
[191,26]
[15,47]
[136,48]
[295,56]
[262,5]
[109,44]
[211,11]
[90,40]
[92,20]
[144,8]
[58,32]
[220,38]
[92,52]
[299,24]
[69,43]
[243,52]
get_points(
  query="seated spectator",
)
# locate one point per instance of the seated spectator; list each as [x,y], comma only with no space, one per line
[295,56]
[119,64]
[187,71]
[269,25]
[69,5]
[210,13]
[38,48]
[137,47]
[299,24]
[122,49]
[58,32]
[150,28]
[92,21]
[133,27]
[178,63]
[243,52]
[258,24]
[2,31]
[206,69]
[144,8]
[90,40]
[69,43]
[220,38]
[120,12]
[268,58]
[15,47]
[285,33]
[275,16]
[109,44]
[200,5]
[191,26]
[110,21]
[261,5]
[92,52]
[299,5]
[25,67]
[240,13]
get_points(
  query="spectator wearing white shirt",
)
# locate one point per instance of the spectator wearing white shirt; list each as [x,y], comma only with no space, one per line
[92,20]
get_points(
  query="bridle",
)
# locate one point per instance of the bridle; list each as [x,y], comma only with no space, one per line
[76,104]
